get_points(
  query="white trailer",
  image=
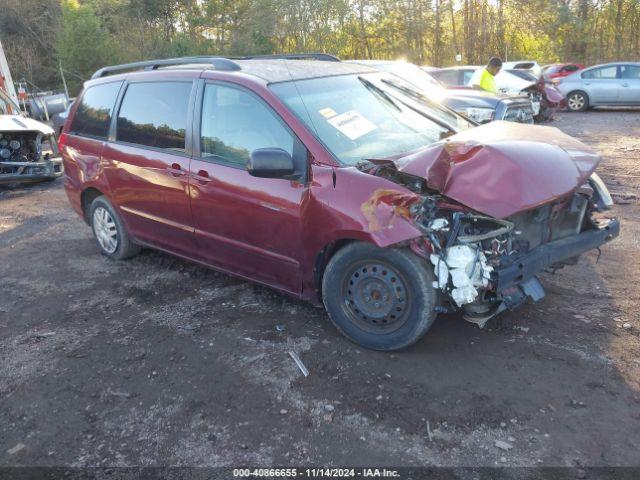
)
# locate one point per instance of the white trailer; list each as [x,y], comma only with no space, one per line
[6,82]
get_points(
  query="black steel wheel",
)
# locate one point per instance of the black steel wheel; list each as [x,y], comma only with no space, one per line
[380,298]
[376,296]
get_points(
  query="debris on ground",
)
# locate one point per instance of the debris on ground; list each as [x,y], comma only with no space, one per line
[301,366]
[212,387]
[115,393]
[16,449]
[502,445]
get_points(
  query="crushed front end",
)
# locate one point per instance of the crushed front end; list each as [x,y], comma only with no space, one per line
[485,265]
[28,151]
[497,205]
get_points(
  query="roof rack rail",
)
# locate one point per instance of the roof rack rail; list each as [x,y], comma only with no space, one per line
[219,63]
[325,57]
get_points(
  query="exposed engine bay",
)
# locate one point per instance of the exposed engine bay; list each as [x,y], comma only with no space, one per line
[485,265]
[28,156]
[20,147]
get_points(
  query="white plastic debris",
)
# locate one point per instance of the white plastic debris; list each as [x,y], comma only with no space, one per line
[502,445]
[20,446]
[466,267]
[438,224]
[301,366]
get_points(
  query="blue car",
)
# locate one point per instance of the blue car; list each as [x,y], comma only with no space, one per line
[610,84]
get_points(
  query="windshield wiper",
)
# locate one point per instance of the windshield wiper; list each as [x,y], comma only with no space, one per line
[421,97]
[375,89]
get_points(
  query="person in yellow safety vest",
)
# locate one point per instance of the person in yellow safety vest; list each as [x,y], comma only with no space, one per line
[484,78]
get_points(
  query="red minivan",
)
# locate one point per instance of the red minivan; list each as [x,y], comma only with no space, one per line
[331,182]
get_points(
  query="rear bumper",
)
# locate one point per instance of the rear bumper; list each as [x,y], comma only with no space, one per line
[33,171]
[521,269]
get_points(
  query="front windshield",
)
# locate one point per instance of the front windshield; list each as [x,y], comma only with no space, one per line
[358,119]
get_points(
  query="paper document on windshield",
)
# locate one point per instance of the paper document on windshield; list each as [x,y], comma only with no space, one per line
[352,124]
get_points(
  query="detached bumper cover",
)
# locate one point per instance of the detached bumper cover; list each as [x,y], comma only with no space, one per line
[524,268]
[33,171]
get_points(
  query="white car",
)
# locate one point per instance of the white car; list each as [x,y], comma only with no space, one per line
[530,66]
[28,149]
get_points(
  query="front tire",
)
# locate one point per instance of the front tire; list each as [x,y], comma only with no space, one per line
[379,298]
[577,101]
[109,231]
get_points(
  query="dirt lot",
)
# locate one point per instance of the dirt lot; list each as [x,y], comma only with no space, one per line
[157,361]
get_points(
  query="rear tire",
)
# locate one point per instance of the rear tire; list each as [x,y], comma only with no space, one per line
[379,298]
[109,231]
[577,101]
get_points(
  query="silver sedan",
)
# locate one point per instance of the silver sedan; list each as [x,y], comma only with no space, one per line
[609,84]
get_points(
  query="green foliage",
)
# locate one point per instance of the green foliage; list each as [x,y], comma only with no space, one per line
[83,44]
[92,33]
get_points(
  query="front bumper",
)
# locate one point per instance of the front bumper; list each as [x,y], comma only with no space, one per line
[33,171]
[515,280]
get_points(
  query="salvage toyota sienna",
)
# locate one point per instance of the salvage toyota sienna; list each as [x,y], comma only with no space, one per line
[320,180]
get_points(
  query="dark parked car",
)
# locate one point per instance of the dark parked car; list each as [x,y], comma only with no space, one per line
[544,96]
[58,120]
[481,107]
[320,180]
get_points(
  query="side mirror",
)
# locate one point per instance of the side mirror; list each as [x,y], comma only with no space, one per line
[270,163]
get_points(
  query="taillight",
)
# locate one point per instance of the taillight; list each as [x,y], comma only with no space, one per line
[62,141]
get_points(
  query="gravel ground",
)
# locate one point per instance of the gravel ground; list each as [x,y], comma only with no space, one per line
[157,361]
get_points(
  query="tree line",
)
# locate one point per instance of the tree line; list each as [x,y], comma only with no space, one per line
[41,37]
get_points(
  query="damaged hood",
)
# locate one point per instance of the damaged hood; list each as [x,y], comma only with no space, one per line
[511,83]
[17,123]
[503,168]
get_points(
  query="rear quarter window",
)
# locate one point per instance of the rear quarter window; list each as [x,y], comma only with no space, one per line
[93,115]
[154,114]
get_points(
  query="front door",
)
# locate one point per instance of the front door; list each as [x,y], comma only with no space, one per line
[243,224]
[147,165]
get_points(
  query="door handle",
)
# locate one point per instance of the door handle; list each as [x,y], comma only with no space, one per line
[203,177]
[176,170]
[625,84]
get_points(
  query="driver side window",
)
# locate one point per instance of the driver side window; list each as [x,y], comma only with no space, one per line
[235,123]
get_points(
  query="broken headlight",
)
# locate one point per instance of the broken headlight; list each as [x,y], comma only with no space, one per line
[604,200]
[479,115]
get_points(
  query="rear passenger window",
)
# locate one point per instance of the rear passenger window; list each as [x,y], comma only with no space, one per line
[235,123]
[154,114]
[603,73]
[93,115]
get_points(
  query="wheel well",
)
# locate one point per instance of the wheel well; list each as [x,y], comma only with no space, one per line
[322,260]
[86,198]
